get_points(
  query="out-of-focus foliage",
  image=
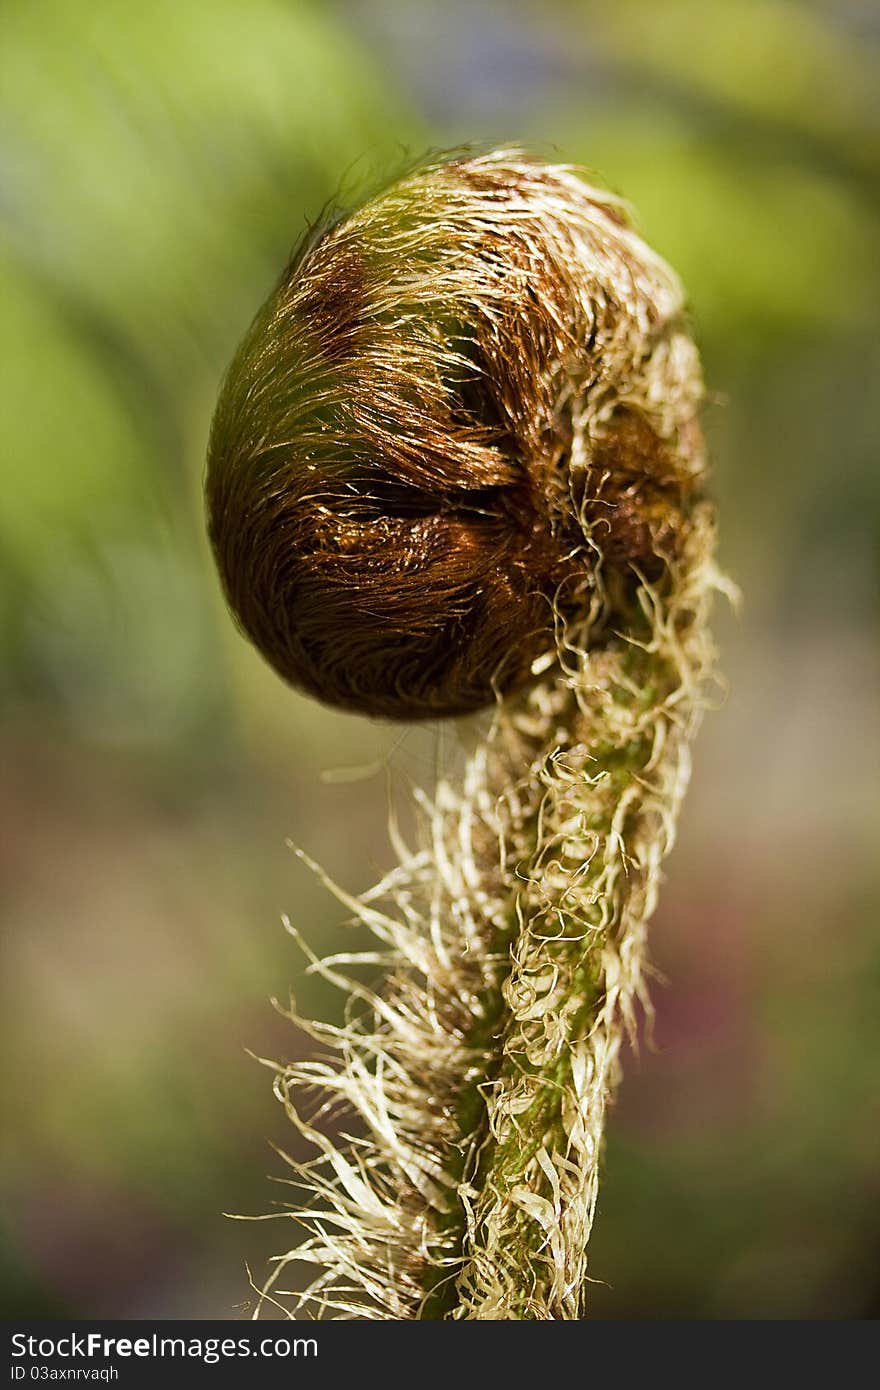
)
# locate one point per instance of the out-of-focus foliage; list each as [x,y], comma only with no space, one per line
[159,163]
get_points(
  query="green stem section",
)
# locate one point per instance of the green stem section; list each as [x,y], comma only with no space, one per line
[524,1172]
[516,936]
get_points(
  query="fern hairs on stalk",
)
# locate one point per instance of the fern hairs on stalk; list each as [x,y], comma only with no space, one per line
[456,469]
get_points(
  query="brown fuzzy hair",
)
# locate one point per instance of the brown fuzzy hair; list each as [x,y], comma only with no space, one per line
[439,438]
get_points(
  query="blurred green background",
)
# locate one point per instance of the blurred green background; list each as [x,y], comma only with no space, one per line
[158,164]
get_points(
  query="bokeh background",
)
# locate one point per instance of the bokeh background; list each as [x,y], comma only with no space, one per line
[158,163]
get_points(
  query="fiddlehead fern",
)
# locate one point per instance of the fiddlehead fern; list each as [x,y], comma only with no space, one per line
[456,465]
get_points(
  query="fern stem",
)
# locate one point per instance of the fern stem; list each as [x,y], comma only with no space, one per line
[484,1069]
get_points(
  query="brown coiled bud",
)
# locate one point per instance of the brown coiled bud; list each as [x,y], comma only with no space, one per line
[464,407]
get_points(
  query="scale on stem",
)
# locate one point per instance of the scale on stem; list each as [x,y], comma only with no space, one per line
[456,466]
